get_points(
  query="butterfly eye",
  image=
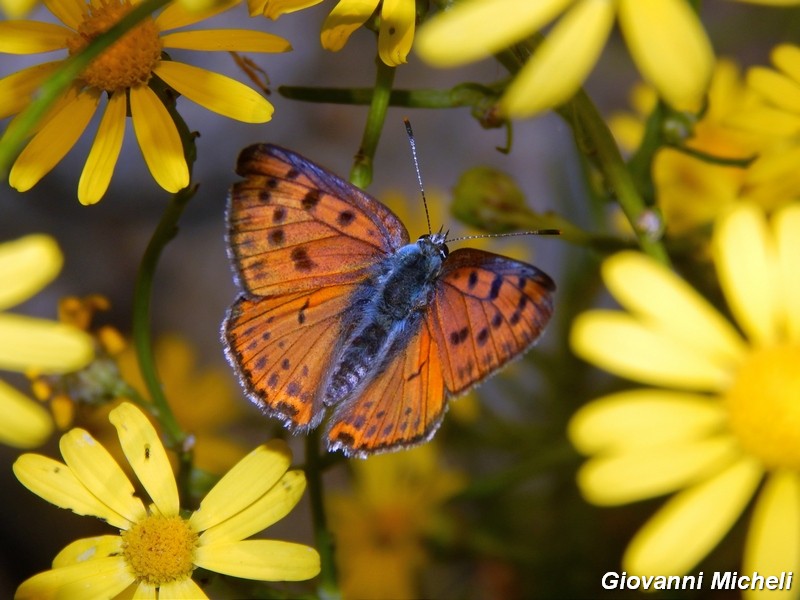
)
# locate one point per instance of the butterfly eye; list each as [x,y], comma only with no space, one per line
[444,250]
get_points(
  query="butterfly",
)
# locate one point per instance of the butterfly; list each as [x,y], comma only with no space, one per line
[342,315]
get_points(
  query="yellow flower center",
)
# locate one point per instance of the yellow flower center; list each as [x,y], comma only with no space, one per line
[160,549]
[130,60]
[764,406]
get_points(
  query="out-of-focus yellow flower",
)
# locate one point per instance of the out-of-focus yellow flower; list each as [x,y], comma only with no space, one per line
[28,344]
[774,174]
[396,29]
[157,549]
[380,526]
[123,73]
[665,39]
[16,9]
[725,413]
[690,191]
[204,402]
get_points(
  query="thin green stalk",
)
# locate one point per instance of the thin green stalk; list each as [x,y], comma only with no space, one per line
[328,585]
[361,173]
[52,89]
[165,231]
[607,155]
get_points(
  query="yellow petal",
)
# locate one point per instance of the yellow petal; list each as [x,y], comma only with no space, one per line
[216,92]
[25,423]
[234,40]
[622,345]
[269,509]
[69,12]
[275,8]
[17,89]
[636,419]
[146,454]
[176,14]
[181,589]
[146,591]
[787,58]
[776,88]
[101,578]
[561,63]
[103,156]
[671,305]
[159,139]
[245,483]
[27,265]
[57,484]
[265,560]
[344,19]
[43,346]
[96,469]
[53,140]
[653,471]
[473,30]
[689,525]
[396,32]
[773,541]
[747,271]
[787,237]
[32,37]
[670,47]
[88,549]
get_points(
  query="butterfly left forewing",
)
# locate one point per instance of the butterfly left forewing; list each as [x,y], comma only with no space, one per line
[487,309]
[403,405]
[293,225]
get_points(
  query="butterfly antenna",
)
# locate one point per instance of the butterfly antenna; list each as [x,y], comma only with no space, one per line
[510,234]
[413,145]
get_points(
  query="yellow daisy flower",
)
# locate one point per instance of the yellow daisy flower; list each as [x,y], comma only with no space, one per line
[158,549]
[30,344]
[379,526]
[665,38]
[396,28]
[724,414]
[123,73]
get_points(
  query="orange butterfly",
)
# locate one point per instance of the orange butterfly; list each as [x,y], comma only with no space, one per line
[341,314]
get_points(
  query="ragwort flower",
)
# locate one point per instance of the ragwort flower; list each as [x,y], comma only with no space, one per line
[157,549]
[665,38]
[724,414]
[395,33]
[29,344]
[123,73]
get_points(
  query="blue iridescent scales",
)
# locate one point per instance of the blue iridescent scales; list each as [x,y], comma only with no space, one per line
[342,317]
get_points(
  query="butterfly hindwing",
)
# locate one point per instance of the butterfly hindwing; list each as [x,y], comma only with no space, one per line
[487,309]
[294,226]
[282,348]
[401,406]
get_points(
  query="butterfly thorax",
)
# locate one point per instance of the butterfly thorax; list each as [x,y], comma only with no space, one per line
[387,313]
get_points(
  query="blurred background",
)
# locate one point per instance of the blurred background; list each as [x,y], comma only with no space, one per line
[529,536]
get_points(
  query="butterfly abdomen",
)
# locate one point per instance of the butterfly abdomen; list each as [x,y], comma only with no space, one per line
[389,313]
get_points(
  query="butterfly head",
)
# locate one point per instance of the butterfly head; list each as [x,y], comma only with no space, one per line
[434,244]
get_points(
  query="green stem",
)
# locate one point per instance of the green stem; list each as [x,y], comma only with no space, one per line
[464,95]
[586,120]
[361,173]
[55,86]
[164,232]
[328,585]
